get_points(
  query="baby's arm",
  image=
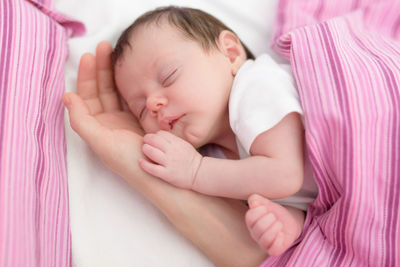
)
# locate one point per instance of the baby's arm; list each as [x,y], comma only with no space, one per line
[275,169]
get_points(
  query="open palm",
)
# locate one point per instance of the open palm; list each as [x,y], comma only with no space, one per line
[97,115]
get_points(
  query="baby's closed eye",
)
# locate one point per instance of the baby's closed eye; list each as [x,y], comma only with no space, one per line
[170,78]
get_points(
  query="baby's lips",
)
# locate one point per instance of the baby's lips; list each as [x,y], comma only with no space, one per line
[167,123]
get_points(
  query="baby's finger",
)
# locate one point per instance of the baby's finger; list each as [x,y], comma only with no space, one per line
[275,249]
[169,137]
[262,225]
[253,215]
[156,140]
[256,200]
[268,237]
[151,168]
[154,154]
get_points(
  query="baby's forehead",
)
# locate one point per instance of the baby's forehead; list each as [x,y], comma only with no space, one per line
[151,42]
[154,28]
[155,36]
[146,32]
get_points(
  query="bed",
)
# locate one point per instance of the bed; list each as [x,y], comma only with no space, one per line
[59,206]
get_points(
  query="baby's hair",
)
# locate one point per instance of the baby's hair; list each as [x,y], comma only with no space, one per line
[195,24]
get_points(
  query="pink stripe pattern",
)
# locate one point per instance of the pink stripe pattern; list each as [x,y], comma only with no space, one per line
[34,213]
[346,61]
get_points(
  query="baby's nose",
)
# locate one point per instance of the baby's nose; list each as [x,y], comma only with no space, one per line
[155,103]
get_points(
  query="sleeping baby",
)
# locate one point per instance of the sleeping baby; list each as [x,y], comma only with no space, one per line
[194,86]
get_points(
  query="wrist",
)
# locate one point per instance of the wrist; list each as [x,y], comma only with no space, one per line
[196,173]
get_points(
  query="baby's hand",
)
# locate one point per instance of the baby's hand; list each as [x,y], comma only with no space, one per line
[173,159]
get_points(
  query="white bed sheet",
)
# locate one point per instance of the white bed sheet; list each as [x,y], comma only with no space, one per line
[111,224]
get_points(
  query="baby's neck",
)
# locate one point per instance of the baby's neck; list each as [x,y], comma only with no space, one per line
[228,145]
[229,154]
[225,138]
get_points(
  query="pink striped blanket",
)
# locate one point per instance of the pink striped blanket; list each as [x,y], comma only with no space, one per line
[346,61]
[34,215]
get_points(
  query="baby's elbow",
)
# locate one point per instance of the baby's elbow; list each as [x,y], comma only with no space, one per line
[295,178]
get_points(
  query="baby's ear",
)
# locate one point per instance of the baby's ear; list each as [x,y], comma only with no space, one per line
[232,48]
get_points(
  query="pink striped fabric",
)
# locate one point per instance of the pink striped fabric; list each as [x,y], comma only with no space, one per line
[346,62]
[34,215]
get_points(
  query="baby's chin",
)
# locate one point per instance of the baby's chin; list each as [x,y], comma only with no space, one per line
[193,138]
[187,133]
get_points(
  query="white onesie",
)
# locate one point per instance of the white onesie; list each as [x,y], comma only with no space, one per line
[263,93]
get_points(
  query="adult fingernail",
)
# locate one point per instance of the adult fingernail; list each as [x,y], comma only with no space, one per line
[66,101]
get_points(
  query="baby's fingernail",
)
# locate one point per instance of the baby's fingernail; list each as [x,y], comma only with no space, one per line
[254,203]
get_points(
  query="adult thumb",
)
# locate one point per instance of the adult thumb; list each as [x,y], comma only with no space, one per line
[82,122]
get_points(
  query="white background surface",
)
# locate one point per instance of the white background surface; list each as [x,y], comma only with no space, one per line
[111,224]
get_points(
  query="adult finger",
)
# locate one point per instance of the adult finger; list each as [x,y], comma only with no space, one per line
[108,94]
[86,86]
[81,120]
[124,104]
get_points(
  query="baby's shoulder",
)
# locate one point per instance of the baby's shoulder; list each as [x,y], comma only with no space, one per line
[263,68]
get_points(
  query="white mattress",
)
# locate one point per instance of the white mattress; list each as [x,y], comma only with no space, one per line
[111,224]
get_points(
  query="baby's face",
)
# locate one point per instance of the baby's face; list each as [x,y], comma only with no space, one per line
[170,83]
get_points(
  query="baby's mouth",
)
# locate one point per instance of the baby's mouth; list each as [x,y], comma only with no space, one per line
[173,121]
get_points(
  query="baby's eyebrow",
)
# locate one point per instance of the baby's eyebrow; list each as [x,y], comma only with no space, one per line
[157,63]
[165,61]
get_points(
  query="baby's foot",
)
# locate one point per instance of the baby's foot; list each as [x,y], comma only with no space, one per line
[273,226]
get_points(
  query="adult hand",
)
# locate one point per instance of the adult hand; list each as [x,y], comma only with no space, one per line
[97,115]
